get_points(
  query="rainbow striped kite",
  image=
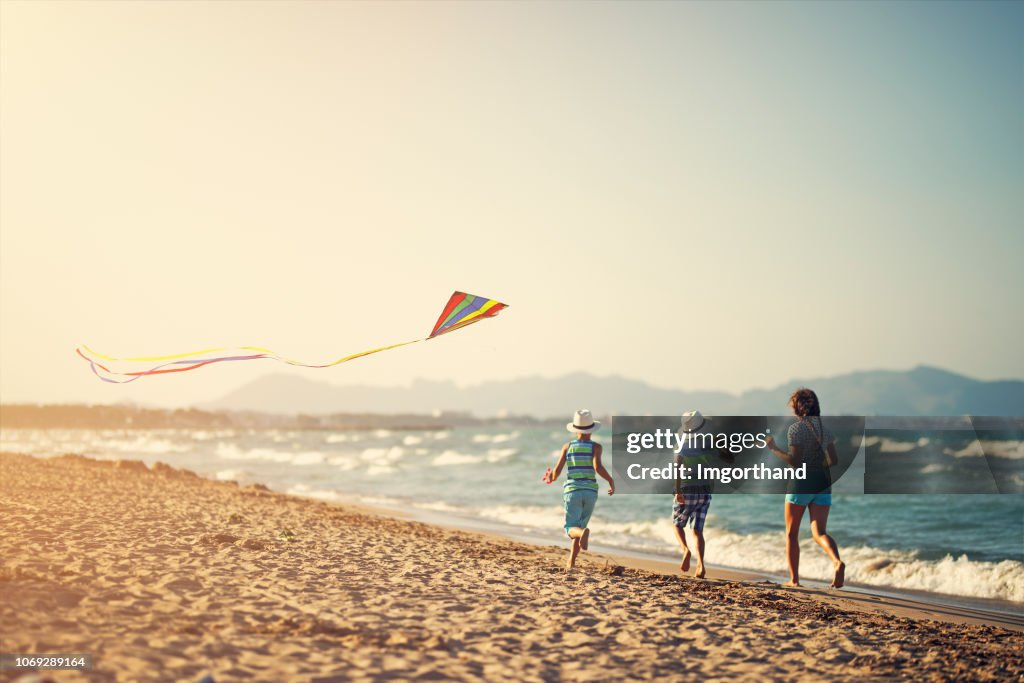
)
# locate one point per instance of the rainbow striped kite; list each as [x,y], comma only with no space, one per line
[461,310]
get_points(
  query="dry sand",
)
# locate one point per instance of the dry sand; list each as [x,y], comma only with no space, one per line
[161,575]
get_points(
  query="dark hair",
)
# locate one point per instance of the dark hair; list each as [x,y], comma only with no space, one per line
[805,402]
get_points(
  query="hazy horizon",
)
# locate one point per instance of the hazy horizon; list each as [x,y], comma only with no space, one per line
[708,196]
[317,378]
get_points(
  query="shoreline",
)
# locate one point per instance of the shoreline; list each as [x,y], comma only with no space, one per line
[159,573]
[940,606]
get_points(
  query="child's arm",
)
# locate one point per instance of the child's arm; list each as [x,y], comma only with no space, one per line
[601,470]
[791,458]
[552,475]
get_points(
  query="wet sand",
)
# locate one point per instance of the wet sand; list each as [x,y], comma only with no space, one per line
[162,575]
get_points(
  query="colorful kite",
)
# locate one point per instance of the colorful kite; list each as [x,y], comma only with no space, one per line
[462,310]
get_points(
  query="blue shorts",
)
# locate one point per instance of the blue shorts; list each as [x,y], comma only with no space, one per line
[809,498]
[693,511]
[579,505]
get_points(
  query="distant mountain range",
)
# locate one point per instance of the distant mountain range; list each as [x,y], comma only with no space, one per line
[920,391]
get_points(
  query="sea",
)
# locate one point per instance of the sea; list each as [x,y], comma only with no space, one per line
[958,545]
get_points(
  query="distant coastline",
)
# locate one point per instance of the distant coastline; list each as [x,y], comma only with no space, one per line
[81,416]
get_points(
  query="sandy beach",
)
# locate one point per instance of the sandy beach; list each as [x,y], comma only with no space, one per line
[161,575]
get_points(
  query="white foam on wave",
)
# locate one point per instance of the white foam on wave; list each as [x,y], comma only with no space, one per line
[766,553]
[25,441]
[209,435]
[495,438]
[412,440]
[865,565]
[1013,449]
[499,454]
[890,446]
[308,458]
[344,462]
[438,506]
[230,451]
[531,516]
[140,444]
[381,501]
[308,492]
[450,457]
[382,456]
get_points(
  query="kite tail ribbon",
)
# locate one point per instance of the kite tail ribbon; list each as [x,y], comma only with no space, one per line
[461,310]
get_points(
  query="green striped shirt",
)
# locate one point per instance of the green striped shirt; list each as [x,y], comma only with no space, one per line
[579,463]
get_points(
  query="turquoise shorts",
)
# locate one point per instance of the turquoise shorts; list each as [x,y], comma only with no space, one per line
[809,498]
[579,505]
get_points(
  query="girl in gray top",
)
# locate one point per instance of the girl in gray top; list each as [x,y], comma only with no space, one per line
[810,443]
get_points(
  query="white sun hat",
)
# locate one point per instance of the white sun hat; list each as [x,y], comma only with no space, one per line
[583,423]
[693,420]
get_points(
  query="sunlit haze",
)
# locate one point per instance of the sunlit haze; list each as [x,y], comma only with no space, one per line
[719,196]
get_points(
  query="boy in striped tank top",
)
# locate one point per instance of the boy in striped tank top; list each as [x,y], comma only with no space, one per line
[582,459]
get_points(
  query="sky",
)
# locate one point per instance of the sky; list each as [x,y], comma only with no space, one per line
[700,196]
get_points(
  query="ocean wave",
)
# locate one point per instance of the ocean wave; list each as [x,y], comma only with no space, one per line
[495,438]
[140,445]
[450,457]
[210,435]
[892,446]
[383,456]
[307,458]
[438,506]
[530,516]
[766,553]
[344,462]
[498,454]
[308,492]
[1014,450]
[230,451]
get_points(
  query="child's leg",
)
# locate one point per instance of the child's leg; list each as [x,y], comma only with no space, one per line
[575,533]
[699,515]
[819,520]
[681,535]
[699,571]
[680,517]
[794,513]
[587,504]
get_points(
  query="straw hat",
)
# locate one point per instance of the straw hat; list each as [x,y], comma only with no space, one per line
[583,422]
[693,420]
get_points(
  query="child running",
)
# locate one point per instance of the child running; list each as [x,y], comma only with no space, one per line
[579,493]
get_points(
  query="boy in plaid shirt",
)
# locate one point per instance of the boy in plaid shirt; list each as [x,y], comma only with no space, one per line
[693,499]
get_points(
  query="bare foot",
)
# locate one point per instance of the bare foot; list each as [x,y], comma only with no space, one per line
[840,577]
[571,562]
[792,584]
[585,538]
[699,573]
[685,566]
